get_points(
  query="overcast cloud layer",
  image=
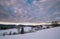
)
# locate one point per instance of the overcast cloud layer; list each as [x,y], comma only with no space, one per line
[29,10]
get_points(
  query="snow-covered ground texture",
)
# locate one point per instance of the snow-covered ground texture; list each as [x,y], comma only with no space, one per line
[52,33]
[8,31]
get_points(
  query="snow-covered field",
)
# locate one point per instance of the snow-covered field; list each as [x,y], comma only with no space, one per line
[52,33]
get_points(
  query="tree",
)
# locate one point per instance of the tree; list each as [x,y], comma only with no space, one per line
[55,23]
[22,30]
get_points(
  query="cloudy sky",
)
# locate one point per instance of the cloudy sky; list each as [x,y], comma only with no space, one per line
[29,10]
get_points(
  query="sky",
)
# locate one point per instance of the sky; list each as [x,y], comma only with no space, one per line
[29,10]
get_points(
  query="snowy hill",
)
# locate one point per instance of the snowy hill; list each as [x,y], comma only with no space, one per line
[52,33]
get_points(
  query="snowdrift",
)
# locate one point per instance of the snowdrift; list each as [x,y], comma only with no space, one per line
[52,33]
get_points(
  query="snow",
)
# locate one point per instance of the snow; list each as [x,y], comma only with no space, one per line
[52,33]
[26,29]
[8,31]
